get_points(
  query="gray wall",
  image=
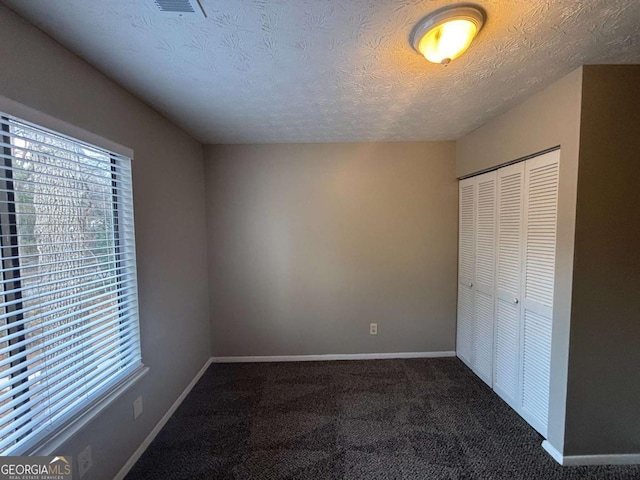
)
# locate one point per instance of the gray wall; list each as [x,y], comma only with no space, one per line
[603,401]
[549,118]
[170,226]
[309,243]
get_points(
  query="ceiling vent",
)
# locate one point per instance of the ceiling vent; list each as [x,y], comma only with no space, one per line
[179,8]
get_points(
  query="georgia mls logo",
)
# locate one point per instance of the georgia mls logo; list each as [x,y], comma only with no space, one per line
[35,468]
[59,465]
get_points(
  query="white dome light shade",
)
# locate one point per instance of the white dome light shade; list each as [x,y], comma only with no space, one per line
[447,33]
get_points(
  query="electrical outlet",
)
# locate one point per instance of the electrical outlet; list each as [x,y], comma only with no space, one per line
[137,407]
[85,461]
[373,329]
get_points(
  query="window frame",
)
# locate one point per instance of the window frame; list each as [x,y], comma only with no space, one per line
[47,442]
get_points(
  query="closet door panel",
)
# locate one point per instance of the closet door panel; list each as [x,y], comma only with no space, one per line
[464,338]
[536,363]
[483,337]
[509,248]
[541,203]
[486,231]
[485,276]
[466,270]
[507,352]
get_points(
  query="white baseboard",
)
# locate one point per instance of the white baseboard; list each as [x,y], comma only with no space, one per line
[152,435]
[551,450]
[340,356]
[577,460]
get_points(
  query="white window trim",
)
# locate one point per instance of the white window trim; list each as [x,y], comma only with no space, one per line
[36,117]
[48,444]
[51,444]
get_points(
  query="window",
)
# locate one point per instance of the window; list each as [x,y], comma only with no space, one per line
[69,330]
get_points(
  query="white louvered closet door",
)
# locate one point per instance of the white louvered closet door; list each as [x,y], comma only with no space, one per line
[540,208]
[466,269]
[509,247]
[485,235]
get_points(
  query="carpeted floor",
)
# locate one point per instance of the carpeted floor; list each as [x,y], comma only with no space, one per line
[384,419]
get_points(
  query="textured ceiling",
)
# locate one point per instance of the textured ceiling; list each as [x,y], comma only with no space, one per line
[333,70]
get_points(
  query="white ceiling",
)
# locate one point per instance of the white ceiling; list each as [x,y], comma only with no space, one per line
[333,70]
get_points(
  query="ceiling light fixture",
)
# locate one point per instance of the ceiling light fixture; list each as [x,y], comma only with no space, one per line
[446,33]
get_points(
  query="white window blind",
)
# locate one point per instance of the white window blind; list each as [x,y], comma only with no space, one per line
[69,329]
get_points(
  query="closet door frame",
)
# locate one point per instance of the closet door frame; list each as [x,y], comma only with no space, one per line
[529,312]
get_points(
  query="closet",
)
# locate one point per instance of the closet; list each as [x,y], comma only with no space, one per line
[507,229]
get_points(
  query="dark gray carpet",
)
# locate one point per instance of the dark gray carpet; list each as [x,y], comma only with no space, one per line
[385,419]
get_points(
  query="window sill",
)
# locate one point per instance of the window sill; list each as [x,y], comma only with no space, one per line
[50,444]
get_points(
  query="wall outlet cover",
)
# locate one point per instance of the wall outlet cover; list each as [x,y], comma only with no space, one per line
[373,329]
[85,461]
[137,407]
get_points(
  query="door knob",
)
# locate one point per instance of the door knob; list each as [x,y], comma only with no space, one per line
[470,284]
[515,300]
